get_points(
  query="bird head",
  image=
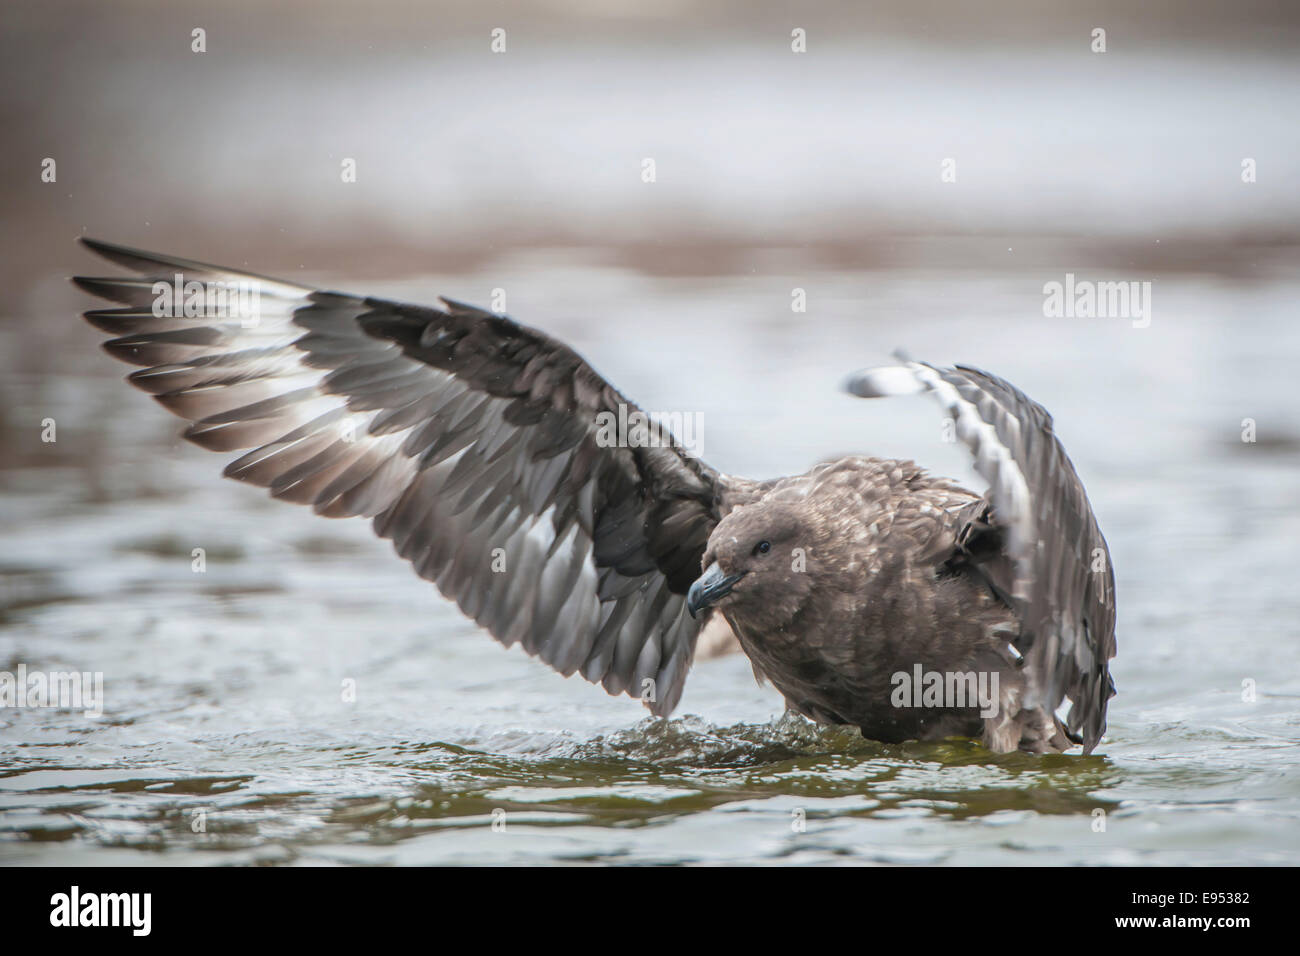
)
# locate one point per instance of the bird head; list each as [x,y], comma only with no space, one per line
[756,562]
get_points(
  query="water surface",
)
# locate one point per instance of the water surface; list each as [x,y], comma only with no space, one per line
[225,737]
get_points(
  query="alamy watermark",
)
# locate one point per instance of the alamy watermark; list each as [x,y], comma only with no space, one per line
[630,427]
[946,689]
[133,911]
[1085,299]
[67,690]
[214,299]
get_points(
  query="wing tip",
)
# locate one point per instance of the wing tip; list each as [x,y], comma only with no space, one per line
[96,245]
[883,381]
[146,265]
[120,289]
[95,285]
[118,254]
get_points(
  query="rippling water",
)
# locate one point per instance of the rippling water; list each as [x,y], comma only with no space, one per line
[225,737]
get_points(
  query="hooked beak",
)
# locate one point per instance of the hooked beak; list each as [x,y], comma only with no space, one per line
[708,587]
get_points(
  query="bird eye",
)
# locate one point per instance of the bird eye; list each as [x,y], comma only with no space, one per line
[763,547]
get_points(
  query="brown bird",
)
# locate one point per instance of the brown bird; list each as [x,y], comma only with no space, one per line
[868,592]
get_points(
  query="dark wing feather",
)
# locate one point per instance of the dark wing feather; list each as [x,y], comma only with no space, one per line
[1035,539]
[469,439]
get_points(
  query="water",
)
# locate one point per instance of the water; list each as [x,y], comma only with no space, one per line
[225,738]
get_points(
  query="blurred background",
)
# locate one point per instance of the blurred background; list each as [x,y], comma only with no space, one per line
[1172,157]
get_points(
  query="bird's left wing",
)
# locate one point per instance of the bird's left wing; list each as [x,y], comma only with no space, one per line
[473,442]
[1052,563]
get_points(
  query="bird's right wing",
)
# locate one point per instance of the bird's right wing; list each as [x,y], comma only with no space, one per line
[1053,565]
[474,443]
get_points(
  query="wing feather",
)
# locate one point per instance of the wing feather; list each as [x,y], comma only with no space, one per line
[1052,565]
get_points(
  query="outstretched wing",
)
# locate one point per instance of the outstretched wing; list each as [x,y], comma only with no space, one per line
[473,442]
[1051,564]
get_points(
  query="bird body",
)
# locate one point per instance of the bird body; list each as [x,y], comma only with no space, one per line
[859,586]
[868,592]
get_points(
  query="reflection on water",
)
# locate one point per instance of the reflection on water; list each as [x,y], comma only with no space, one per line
[226,739]
[785,780]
